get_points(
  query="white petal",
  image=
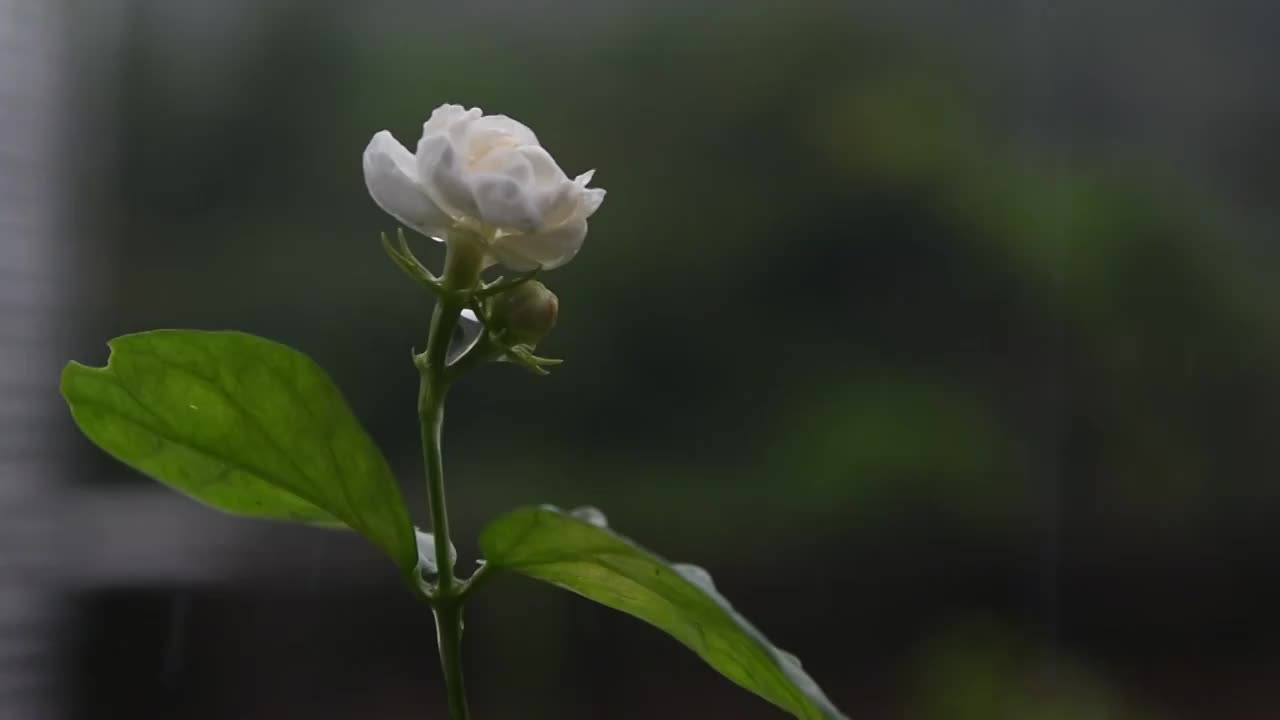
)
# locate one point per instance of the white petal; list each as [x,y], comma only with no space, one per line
[503,185]
[444,178]
[426,543]
[465,337]
[509,162]
[445,116]
[559,204]
[549,249]
[391,175]
[489,129]
[589,202]
[504,203]
[589,199]
[555,196]
[547,175]
[460,127]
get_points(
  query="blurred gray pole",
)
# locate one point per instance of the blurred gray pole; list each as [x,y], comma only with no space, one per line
[32,612]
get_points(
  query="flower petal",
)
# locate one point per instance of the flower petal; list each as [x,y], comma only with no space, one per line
[506,161]
[445,116]
[589,202]
[497,129]
[459,127]
[444,177]
[504,203]
[391,175]
[426,543]
[559,205]
[547,175]
[549,249]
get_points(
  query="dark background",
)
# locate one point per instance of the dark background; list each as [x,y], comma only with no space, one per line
[944,335]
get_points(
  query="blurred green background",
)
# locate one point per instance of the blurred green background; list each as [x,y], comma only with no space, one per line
[944,336]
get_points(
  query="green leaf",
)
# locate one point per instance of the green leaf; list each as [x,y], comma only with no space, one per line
[576,552]
[244,424]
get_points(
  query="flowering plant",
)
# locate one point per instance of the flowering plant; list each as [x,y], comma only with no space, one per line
[252,427]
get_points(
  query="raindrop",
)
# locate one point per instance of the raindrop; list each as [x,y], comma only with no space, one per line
[590,515]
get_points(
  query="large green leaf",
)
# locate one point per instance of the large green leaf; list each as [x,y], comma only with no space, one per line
[576,552]
[244,424]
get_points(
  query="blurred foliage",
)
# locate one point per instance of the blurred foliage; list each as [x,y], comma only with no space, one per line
[984,672]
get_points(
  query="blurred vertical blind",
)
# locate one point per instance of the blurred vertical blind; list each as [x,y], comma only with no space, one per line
[30,607]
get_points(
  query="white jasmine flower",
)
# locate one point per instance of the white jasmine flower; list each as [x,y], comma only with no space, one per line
[486,175]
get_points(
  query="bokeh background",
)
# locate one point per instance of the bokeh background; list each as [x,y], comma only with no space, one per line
[944,334]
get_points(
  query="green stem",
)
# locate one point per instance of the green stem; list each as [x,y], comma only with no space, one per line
[449,636]
[462,272]
[432,389]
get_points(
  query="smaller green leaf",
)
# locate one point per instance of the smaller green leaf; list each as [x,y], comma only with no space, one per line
[575,551]
[244,424]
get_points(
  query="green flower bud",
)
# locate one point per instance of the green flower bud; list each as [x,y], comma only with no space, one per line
[525,314]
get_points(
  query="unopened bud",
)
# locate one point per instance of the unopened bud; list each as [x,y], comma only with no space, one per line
[525,313]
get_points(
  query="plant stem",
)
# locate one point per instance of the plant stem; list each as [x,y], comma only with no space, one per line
[462,271]
[449,636]
[432,389]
